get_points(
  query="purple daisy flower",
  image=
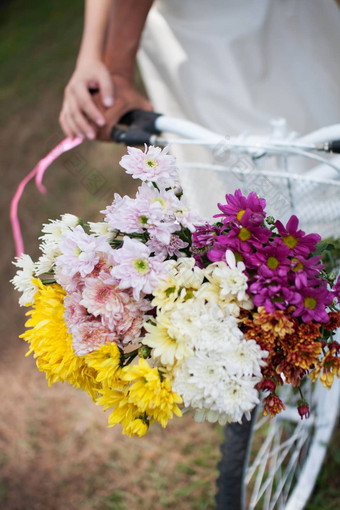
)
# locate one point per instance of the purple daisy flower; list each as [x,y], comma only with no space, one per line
[230,241]
[336,289]
[313,303]
[243,238]
[304,269]
[272,260]
[273,293]
[204,235]
[297,241]
[238,204]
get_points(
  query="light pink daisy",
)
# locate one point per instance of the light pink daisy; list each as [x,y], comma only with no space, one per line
[69,283]
[162,231]
[153,165]
[162,202]
[127,214]
[169,249]
[136,269]
[188,218]
[80,252]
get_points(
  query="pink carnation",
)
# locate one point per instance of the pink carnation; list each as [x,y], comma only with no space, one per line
[118,310]
[74,312]
[89,336]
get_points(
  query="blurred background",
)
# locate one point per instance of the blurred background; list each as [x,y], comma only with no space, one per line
[56,452]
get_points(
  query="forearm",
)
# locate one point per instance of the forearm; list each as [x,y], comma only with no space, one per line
[96,19]
[126,23]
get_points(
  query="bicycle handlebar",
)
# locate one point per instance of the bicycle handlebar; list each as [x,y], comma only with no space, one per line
[143,126]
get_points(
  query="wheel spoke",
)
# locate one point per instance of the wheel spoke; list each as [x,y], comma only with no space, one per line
[272,468]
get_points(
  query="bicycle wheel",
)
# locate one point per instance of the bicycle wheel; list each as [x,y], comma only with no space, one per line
[273,464]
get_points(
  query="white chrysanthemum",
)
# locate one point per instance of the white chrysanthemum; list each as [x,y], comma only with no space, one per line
[203,414]
[187,274]
[208,372]
[204,383]
[245,358]
[231,279]
[22,281]
[50,249]
[102,229]
[219,378]
[55,228]
[211,293]
[239,397]
[45,263]
[204,324]
[185,316]
[218,330]
[69,220]
[199,380]
[49,245]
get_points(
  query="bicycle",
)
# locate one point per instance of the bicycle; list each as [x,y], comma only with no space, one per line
[282,473]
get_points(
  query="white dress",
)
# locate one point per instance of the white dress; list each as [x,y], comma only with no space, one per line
[233,65]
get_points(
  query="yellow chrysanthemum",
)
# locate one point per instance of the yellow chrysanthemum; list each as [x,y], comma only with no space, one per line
[52,344]
[166,346]
[107,361]
[141,396]
[327,369]
[151,392]
[137,427]
[124,412]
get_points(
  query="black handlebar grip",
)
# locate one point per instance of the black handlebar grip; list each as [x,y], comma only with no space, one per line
[334,146]
[144,119]
[141,125]
[130,136]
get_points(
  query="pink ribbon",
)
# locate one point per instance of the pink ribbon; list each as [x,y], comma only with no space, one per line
[37,172]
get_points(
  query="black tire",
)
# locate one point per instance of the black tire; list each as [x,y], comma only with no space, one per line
[232,466]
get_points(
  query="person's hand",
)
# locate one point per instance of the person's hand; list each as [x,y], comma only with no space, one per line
[80,115]
[126,98]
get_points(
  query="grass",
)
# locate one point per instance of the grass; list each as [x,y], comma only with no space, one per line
[55,450]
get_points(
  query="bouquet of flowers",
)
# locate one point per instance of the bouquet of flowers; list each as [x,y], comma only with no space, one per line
[156,310]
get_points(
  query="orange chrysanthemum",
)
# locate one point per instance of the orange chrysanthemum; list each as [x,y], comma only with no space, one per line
[273,405]
[277,323]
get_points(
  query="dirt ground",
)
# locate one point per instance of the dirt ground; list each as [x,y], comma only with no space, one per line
[56,452]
